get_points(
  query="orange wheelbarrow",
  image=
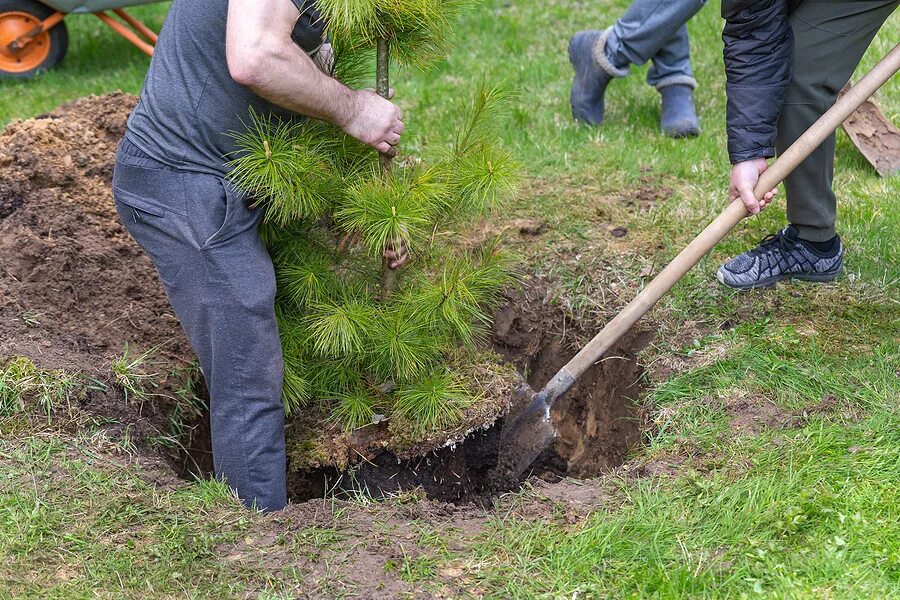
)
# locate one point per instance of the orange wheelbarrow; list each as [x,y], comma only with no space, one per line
[34,38]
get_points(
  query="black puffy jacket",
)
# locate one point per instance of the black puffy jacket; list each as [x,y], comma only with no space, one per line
[758,47]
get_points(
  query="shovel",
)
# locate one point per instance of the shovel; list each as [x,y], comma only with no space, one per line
[876,138]
[532,430]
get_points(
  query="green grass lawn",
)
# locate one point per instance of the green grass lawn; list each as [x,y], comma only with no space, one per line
[804,506]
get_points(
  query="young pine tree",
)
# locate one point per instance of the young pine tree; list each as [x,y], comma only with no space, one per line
[358,338]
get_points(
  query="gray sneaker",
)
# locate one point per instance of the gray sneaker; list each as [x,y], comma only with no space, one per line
[781,256]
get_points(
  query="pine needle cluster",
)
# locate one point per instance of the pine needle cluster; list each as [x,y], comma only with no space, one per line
[329,214]
[418,30]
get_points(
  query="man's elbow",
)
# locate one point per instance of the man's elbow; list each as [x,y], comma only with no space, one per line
[246,66]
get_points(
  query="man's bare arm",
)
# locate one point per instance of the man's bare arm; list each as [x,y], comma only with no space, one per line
[262,56]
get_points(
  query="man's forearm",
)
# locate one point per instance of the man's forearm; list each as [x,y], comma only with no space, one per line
[292,80]
[278,70]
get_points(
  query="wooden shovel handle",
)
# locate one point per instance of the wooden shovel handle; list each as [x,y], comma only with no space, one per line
[725,222]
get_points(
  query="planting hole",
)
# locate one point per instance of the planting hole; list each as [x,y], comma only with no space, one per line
[599,420]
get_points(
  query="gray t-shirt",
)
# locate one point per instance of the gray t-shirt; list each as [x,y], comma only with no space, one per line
[189,102]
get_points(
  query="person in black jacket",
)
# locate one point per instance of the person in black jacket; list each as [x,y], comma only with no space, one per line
[786,61]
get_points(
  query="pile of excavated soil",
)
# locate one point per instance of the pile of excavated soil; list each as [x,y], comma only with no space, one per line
[75,290]
[74,287]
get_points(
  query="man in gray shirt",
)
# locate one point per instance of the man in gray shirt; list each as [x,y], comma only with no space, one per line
[215,60]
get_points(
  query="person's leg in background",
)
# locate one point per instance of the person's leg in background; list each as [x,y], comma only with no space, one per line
[673,78]
[836,35]
[649,30]
[203,240]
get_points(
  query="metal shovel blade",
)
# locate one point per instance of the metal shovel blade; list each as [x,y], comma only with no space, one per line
[523,439]
[877,139]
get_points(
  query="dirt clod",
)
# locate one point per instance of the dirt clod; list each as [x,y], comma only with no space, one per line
[617,231]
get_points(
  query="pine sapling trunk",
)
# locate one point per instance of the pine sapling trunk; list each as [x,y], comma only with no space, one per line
[382,87]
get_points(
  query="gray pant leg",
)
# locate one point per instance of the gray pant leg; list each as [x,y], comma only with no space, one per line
[203,239]
[655,29]
[672,63]
[830,38]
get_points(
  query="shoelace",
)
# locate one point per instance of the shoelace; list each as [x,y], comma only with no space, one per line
[773,239]
[788,259]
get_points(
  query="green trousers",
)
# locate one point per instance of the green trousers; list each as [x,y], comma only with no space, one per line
[830,38]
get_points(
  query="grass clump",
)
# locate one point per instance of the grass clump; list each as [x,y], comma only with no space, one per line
[131,377]
[24,384]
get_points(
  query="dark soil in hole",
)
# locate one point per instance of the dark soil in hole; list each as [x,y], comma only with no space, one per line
[451,474]
[599,419]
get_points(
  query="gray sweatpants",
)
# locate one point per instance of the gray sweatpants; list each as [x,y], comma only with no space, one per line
[203,240]
[830,38]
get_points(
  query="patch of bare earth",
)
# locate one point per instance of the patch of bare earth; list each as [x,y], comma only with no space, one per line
[750,413]
[747,415]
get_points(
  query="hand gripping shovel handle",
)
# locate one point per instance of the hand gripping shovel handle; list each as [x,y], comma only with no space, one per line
[723,224]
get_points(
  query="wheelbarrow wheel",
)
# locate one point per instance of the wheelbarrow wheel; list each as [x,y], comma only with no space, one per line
[44,51]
